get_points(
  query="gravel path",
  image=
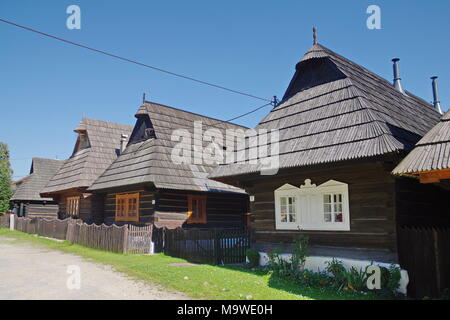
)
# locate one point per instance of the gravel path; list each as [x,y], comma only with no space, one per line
[31,272]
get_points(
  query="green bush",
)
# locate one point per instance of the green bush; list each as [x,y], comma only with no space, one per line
[356,279]
[253,257]
[289,267]
[390,279]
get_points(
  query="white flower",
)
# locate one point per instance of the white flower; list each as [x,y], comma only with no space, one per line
[186,278]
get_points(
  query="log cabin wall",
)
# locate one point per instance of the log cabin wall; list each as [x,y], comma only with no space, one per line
[146,207]
[371,204]
[41,210]
[91,206]
[421,204]
[223,209]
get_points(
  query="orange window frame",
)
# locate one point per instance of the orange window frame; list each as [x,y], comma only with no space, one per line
[73,206]
[127,207]
[200,203]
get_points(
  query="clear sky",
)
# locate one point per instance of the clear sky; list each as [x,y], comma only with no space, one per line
[253,45]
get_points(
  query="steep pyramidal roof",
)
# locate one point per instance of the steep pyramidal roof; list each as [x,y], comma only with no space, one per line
[336,110]
[149,160]
[431,153]
[42,170]
[92,155]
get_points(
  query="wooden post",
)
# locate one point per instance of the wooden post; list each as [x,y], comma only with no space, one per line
[125,239]
[11,221]
[437,259]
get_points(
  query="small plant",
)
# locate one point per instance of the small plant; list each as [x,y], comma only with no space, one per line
[300,252]
[390,279]
[356,279]
[289,267]
[336,268]
[253,257]
[308,278]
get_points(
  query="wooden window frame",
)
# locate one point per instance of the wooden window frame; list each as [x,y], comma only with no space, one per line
[126,197]
[203,218]
[69,204]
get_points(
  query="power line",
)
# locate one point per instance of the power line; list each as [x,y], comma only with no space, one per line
[133,61]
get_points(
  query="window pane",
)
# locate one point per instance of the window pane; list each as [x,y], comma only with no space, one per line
[338,217]
[291,208]
[283,201]
[338,208]
[327,217]
[327,198]
[283,209]
[327,208]
[292,218]
[283,217]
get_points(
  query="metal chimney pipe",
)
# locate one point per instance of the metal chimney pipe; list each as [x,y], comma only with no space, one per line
[436,102]
[123,139]
[397,79]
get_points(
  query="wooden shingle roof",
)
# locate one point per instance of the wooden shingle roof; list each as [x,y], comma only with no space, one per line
[42,170]
[86,165]
[431,153]
[352,114]
[149,161]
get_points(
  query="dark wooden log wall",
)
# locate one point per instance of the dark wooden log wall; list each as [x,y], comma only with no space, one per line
[146,207]
[91,206]
[371,200]
[421,204]
[224,210]
[41,210]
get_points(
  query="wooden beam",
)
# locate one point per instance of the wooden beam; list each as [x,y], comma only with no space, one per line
[434,176]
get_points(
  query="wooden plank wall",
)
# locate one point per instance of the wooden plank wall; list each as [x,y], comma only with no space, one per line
[421,204]
[91,207]
[41,210]
[371,200]
[224,210]
[146,207]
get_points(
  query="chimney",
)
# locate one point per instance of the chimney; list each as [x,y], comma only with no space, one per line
[436,102]
[123,139]
[397,79]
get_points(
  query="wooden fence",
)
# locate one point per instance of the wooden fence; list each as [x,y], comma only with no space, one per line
[425,253]
[4,220]
[123,239]
[213,246]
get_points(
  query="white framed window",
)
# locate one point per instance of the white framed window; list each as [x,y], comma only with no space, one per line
[311,207]
[287,207]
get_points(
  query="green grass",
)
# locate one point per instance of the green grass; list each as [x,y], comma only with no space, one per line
[203,281]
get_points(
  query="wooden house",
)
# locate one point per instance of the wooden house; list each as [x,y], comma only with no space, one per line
[342,129]
[26,198]
[146,186]
[430,159]
[98,144]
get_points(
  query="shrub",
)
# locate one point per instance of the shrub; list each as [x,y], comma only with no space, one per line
[336,268]
[253,257]
[300,252]
[289,267]
[309,278]
[356,279]
[390,279]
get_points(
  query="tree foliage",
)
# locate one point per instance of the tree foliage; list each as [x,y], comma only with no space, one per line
[5,178]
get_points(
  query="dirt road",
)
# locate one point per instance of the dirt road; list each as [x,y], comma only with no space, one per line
[32,272]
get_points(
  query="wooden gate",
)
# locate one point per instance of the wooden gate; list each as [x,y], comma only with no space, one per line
[425,253]
[139,240]
[213,246]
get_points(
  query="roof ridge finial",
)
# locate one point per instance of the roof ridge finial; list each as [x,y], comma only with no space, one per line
[315,35]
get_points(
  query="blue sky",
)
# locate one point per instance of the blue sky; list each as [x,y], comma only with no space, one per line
[47,86]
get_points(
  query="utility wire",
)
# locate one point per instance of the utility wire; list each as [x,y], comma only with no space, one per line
[133,61]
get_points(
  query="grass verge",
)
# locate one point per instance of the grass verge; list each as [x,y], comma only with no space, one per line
[198,281]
